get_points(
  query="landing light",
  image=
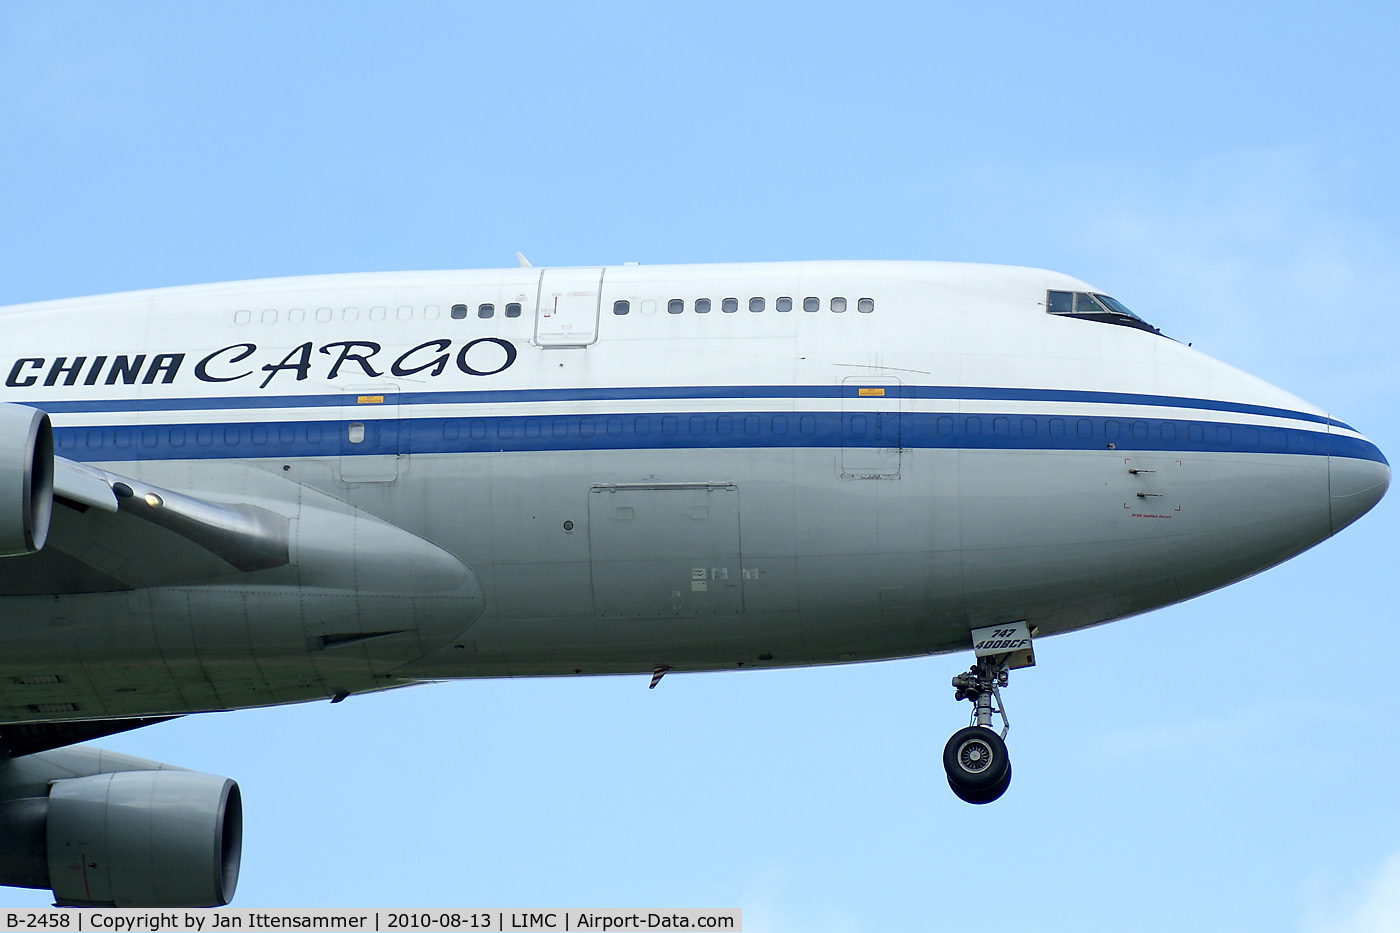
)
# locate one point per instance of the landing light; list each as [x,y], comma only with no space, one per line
[154,501]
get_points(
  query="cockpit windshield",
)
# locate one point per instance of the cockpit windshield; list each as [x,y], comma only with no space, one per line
[1094,307]
[1113,304]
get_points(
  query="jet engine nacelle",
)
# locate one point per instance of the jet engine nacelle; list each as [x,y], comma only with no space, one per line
[127,839]
[26,479]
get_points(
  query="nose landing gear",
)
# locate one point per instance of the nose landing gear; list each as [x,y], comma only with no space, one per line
[975,758]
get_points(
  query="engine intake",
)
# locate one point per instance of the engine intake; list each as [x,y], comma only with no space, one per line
[26,479]
[127,839]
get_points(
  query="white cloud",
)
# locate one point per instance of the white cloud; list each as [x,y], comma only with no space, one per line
[1369,906]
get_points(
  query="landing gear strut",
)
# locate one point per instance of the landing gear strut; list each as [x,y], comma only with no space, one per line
[979,770]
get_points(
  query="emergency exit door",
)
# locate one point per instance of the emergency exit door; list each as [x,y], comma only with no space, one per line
[566,314]
[870,423]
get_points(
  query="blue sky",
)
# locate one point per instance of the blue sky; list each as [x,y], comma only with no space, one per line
[1227,170]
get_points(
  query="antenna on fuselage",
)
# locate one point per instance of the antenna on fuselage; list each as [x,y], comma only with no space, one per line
[524,263]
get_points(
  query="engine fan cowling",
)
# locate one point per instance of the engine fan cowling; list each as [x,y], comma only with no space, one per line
[144,839]
[26,479]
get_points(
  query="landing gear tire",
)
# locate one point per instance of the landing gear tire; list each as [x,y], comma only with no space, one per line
[976,761]
[986,795]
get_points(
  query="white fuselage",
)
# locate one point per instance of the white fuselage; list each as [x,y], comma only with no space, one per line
[568,489]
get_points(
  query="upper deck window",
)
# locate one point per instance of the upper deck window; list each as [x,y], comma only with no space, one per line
[1094,307]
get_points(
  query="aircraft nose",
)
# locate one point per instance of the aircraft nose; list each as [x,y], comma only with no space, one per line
[1357,478]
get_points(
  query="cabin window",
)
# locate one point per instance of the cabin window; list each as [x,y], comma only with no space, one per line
[513,309]
[675,306]
[378,313]
[865,305]
[730,305]
[485,311]
[784,304]
[811,304]
[755,305]
[621,307]
[838,305]
[702,306]
[405,312]
[459,312]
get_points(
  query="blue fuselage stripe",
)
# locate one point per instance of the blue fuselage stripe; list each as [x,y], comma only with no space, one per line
[741,429]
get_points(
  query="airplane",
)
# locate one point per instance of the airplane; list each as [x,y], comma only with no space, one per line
[254,493]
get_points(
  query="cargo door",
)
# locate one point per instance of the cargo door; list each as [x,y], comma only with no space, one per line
[665,550]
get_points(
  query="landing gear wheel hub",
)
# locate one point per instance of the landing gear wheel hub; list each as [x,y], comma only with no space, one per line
[974,755]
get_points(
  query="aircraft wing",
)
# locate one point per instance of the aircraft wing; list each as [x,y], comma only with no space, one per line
[114,532]
[225,523]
